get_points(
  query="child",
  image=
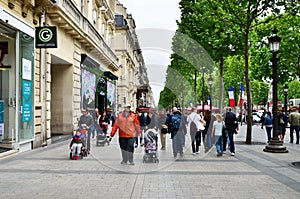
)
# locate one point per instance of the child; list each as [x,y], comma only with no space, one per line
[76,145]
[217,133]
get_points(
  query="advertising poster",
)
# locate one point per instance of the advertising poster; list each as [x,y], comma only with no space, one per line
[26,69]
[3,53]
[26,101]
[111,94]
[88,89]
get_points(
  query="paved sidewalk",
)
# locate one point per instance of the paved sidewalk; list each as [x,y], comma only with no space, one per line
[49,173]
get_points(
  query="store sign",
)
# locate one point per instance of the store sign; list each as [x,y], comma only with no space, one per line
[46,37]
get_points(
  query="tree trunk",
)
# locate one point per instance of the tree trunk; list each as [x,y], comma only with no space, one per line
[221,84]
[248,90]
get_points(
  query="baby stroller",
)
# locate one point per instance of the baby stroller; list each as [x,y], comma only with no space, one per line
[102,137]
[84,133]
[150,146]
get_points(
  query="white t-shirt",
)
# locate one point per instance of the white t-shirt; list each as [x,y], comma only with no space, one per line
[218,126]
[195,118]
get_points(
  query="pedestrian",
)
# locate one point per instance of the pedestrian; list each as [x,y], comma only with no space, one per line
[86,121]
[268,122]
[195,128]
[176,124]
[144,122]
[128,124]
[282,123]
[294,120]
[162,128]
[231,126]
[95,126]
[206,133]
[217,129]
[103,121]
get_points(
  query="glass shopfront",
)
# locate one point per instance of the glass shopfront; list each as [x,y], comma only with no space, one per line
[16,86]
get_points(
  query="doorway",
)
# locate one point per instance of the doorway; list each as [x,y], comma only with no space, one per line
[61,99]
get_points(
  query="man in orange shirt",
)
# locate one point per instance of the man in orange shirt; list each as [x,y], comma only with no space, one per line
[128,124]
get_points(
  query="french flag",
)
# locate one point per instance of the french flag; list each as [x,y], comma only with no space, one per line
[231,96]
[242,89]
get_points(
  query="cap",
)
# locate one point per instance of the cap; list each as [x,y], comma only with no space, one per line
[175,109]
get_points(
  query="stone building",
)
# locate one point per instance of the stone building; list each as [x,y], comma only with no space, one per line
[57,57]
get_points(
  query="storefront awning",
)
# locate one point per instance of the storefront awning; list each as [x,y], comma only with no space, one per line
[110,75]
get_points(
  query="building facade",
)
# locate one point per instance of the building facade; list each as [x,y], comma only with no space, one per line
[43,88]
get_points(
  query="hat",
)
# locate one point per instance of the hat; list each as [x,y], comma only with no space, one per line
[175,109]
[127,106]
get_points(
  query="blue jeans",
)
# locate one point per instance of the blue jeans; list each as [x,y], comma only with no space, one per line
[269,129]
[177,143]
[94,129]
[229,135]
[219,144]
[127,148]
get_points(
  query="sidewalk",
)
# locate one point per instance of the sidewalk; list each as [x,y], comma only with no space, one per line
[252,173]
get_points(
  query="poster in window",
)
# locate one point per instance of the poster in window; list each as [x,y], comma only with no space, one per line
[88,89]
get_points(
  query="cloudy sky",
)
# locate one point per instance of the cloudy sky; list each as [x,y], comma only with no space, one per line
[155,26]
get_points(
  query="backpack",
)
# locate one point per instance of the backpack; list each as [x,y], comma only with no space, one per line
[193,127]
[175,121]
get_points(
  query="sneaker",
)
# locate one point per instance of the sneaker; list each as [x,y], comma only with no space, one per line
[232,154]
[193,153]
[135,145]
[123,162]
[224,152]
[162,148]
[131,163]
[219,154]
[181,155]
[198,152]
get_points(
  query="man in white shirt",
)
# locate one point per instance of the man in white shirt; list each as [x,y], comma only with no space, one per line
[195,127]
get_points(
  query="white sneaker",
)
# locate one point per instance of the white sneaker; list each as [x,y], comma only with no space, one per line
[198,152]
[193,153]
[232,154]
[224,152]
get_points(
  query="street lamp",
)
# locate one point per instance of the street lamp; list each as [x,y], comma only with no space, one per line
[275,145]
[285,90]
[203,90]
[210,81]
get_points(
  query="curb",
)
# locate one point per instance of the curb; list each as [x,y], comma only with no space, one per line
[7,153]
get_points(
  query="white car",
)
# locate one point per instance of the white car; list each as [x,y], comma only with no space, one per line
[256,117]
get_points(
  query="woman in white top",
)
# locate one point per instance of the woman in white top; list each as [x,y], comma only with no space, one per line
[217,133]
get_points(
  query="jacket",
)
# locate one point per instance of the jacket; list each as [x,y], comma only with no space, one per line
[128,126]
[77,139]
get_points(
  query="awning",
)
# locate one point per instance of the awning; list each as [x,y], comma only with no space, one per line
[110,75]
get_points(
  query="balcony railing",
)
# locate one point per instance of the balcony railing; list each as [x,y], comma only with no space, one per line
[86,28]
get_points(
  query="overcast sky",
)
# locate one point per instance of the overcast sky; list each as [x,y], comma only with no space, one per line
[155,26]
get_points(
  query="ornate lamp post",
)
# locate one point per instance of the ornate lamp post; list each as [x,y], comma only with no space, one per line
[275,145]
[285,90]
[210,81]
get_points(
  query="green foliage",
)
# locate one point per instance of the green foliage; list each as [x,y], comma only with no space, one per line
[294,88]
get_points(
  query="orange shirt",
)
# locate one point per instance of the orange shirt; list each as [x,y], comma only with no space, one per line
[128,126]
